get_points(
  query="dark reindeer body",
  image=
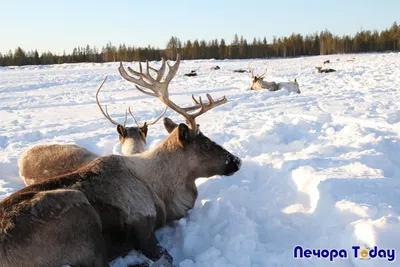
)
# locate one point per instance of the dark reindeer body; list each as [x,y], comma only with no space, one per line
[132,197]
[240,71]
[121,202]
[29,221]
[191,74]
[320,70]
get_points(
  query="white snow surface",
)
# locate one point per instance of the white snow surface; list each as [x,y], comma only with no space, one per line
[320,169]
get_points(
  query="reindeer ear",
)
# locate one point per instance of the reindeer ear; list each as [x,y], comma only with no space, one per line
[169,125]
[183,134]
[121,130]
[144,129]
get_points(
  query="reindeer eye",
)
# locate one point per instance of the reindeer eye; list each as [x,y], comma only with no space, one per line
[206,145]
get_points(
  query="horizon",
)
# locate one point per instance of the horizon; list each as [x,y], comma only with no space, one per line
[94,26]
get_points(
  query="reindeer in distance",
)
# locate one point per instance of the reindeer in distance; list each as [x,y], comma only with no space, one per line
[258,83]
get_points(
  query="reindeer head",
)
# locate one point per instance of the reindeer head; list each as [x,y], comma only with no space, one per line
[203,157]
[257,80]
[257,83]
[207,158]
[132,139]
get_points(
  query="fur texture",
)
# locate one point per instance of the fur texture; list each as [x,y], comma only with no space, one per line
[42,162]
[259,84]
[115,202]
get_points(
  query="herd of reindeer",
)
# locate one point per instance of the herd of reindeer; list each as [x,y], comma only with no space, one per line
[258,82]
[82,209]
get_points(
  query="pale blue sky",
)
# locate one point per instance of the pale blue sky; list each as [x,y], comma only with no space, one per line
[58,25]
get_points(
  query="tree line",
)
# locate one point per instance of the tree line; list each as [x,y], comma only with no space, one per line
[322,43]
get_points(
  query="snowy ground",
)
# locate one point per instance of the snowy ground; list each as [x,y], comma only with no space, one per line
[320,169]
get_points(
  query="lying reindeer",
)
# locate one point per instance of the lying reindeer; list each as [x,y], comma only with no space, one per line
[215,68]
[42,162]
[191,73]
[320,70]
[258,83]
[240,70]
[115,203]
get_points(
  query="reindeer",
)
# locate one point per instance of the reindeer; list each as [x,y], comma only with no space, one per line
[215,68]
[42,162]
[327,61]
[115,203]
[258,83]
[240,71]
[320,70]
[192,73]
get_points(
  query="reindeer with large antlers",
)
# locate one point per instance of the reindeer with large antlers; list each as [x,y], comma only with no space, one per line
[258,83]
[115,203]
[44,161]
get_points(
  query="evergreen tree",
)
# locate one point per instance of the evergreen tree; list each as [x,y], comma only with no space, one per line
[36,59]
[295,45]
[172,47]
[202,52]
[221,50]
[196,49]
[188,50]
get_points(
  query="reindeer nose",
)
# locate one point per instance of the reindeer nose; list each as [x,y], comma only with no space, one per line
[235,160]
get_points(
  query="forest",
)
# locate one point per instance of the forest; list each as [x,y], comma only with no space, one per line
[295,45]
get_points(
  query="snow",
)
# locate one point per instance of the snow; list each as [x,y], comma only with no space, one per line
[320,169]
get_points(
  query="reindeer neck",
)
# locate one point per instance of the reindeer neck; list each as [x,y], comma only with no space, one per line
[130,147]
[164,168]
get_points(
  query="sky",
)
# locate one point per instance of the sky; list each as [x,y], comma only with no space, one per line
[61,25]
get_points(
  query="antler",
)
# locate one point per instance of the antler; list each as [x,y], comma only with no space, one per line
[191,118]
[106,112]
[266,68]
[250,70]
[162,87]
[149,123]
[160,90]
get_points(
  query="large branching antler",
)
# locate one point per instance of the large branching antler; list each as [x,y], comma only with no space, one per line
[105,113]
[262,76]
[159,89]
[191,118]
[162,86]
[251,70]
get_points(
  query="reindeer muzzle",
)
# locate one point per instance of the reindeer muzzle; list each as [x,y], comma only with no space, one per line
[233,165]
